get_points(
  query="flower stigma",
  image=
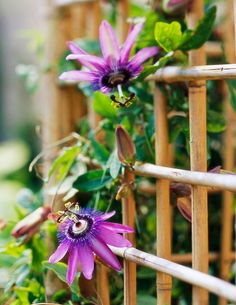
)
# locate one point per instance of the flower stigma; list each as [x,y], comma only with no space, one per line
[80,226]
[123,100]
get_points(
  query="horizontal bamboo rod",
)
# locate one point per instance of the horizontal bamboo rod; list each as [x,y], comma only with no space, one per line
[221,181]
[70,2]
[187,257]
[206,72]
[186,274]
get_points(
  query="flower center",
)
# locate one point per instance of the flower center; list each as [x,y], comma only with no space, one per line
[80,226]
[115,78]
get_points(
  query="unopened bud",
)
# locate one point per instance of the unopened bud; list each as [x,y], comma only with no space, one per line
[175,7]
[184,205]
[30,224]
[125,146]
[180,189]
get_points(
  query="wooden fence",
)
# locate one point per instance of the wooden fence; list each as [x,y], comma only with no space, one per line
[67,19]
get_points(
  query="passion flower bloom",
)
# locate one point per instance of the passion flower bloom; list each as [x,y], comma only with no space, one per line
[85,232]
[115,68]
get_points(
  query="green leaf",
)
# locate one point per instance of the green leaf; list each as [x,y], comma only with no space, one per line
[102,105]
[114,164]
[22,294]
[152,69]
[146,299]
[232,85]
[215,121]
[168,35]
[63,163]
[196,38]
[101,153]
[60,269]
[92,181]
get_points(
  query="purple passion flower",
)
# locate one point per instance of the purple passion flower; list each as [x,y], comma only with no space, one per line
[115,68]
[84,233]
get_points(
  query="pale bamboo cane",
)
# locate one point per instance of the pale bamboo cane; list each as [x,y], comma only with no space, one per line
[195,73]
[128,213]
[198,160]
[229,158]
[220,181]
[163,219]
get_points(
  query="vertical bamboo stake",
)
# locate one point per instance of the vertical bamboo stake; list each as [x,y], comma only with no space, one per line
[102,284]
[123,14]
[128,209]
[163,212]
[228,197]
[198,146]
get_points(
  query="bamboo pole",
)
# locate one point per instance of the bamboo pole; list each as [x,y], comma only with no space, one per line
[229,158]
[128,215]
[220,181]
[197,72]
[123,14]
[187,257]
[211,180]
[183,273]
[102,284]
[163,219]
[198,160]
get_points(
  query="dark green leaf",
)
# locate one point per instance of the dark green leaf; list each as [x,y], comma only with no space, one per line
[60,269]
[196,38]
[101,153]
[215,121]
[152,69]
[231,86]
[168,35]
[102,105]
[92,181]
[146,299]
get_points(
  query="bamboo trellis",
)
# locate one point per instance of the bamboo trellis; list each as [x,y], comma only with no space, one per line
[64,106]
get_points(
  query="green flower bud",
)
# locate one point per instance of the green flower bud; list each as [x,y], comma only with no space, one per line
[125,146]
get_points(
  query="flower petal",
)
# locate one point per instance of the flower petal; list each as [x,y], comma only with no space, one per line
[130,40]
[90,61]
[113,239]
[107,215]
[105,89]
[72,265]
[101,249]
[77,76]
[86,260]
[108,42]
[75,49]
[143,55]
[59,253]
[117,228]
